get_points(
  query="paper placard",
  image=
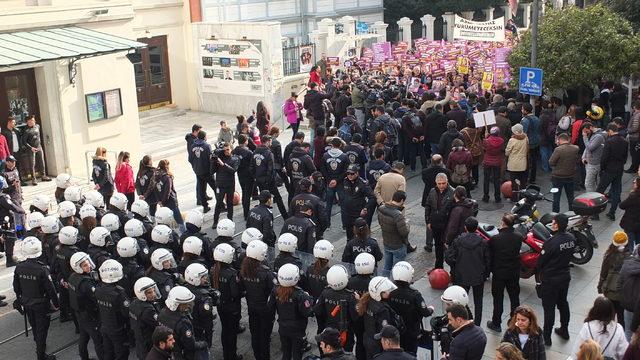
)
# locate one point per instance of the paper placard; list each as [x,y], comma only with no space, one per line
[484,118]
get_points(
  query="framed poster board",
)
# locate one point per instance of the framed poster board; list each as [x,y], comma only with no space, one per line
[95,107]
[113,103]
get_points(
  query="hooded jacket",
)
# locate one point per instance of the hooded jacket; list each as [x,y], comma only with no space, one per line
[469,257]
[594,145]
[631,207]
[517,151]
[460,211]
[493,151]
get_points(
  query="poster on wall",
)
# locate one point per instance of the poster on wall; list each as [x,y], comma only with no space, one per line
[231,66]
[492,30]
[113,103]
[306,59]
[95,107]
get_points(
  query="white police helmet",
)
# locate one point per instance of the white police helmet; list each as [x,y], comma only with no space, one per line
[99,235]
[323,249]
[35,219]
[192,245]
[140,207]
[77,259]
[73,193]
[179,295]
[225,227]
[110,222]
[257,250]
[288,275]
[160,256]
[164,215]
[379,285]
[194,217]
[119,200]
[87,210]
[42,202]
[66,209]
[161,234]
[365,264]
[94,198]
[455,295]
[111,271]
[224,253]
[287,242]
[134,228]
[142,285]
[31,247]
[194,273]
[250,234]
[63,181]
[50,224]
[337,277]
[68,235]
[127,247]
[402,271]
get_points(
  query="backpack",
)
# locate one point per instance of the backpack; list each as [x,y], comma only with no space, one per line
[392,132]
[474,145]
[345,131]
[460,174]
[564,125]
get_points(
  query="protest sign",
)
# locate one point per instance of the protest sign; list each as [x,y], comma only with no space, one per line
[492,30]
[484,118]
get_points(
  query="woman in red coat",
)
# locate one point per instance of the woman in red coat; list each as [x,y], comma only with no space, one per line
[492,162]
[124,180]
[314,75]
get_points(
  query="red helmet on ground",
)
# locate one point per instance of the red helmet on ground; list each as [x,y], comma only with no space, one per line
[506,189]
[439,279]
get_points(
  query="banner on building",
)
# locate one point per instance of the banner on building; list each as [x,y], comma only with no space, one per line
[231,67]
[306,58]
[492,30]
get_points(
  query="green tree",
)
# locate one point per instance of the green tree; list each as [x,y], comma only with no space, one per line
[579,46]
[629,9]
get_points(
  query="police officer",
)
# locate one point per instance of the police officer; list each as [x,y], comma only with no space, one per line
[263,169]
[553,277]
[261,218]
[68,236]
[224,165]
[34,222]
[362,242]
[225,278]
[316,274]
[164,272]
[225,230]
[293,308]
[299,166]
[118,206]
[140,211]
[302,227]
[97,249]
[200,154]
[74,194]
[40,204]
[334,167]
[83,283]
[162,236]
[127,249]
[316,203]
[50,228]
[287,246]
[248,235]
[197,278]
[14,189]
[96,199]
[135,229]
[365,265]
[357,199]
[356,153]
[35,293]
[67,212]
[113,304]
[245,158]
[336,305]
[409,304]
[88,222]
[258,282]
[11,213]
[191,250]
[111,222]
[193,222]
[376,312]
[143,314]
[177,317]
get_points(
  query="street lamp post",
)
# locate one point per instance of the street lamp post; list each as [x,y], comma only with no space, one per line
[534,40]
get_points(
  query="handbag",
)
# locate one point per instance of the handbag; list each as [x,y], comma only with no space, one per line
[609,343]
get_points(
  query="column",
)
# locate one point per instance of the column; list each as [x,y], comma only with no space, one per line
[405,25]
[507,13]
[380,28]
[427,26]
[328,26]
[488,13]
[320,39]
[526,18]
[467,15]
[349,24]
[449,19]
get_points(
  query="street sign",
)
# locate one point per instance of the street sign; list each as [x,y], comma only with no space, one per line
[530,81]
[362,27]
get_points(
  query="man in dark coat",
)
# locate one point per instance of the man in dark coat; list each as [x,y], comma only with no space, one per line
[469,340]
[614,156]
[162,344]
[436,213]
[434,127]
[313,104]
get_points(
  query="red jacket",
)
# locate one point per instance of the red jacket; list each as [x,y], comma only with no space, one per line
[124,179]
[4,148]
[314,77]
[460,155]
[493,151]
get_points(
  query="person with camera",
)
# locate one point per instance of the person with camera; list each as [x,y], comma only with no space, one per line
[224,165]
[469,340]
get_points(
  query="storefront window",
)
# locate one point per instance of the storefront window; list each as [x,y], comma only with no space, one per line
[17,89]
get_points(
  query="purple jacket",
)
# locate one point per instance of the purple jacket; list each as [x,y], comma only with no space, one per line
[291,110]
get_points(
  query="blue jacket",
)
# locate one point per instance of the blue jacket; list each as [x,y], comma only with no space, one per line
[531,127]
[201,154]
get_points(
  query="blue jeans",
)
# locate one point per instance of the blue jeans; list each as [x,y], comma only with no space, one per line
[567,185]
[434,148]
[545,154]
[634,239]
[329,197]
[177,216]
[391,257]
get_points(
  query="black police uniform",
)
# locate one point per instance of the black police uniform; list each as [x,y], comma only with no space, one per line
[123,217]
[263,169]
[357,246]
[553,271]
[131,272]
[409,304]
[357,195]
[394,354]
[173,245]
[293,316]
[49,244]
[62,270]
[114,320]
[186,346]
[111,244]
[207,248]
[237,249]
[8,211]
[299,166]
[143,318]
[144,186]
[278,161]
[143,256]
[337,309]
[82,300]
[261,218]
[377,315]
[360,285]
[258,287]
[375,169]
[165,279]
[36,293]
[315,282]
[316,204]
[200,162]
[357,156]
[229,308]
[226,183]
[147,224]
[286,258]
[203,312]
[98,254]
[245,157]
[304,229]
[188,259]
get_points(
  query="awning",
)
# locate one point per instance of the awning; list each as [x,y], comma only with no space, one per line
[73,42]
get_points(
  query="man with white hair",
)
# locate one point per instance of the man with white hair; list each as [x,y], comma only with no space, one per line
[436,214]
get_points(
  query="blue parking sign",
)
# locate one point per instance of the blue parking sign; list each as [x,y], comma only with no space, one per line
[530,81]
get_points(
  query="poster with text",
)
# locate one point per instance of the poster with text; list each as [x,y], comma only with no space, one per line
[492,30]
[231,67]
[306,58]
[381,51]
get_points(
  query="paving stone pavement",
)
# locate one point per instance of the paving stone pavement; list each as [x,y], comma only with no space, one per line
[163,137]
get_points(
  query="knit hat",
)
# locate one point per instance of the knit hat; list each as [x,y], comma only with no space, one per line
[620,238]
[517,129]
[495,131]
[451,124]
